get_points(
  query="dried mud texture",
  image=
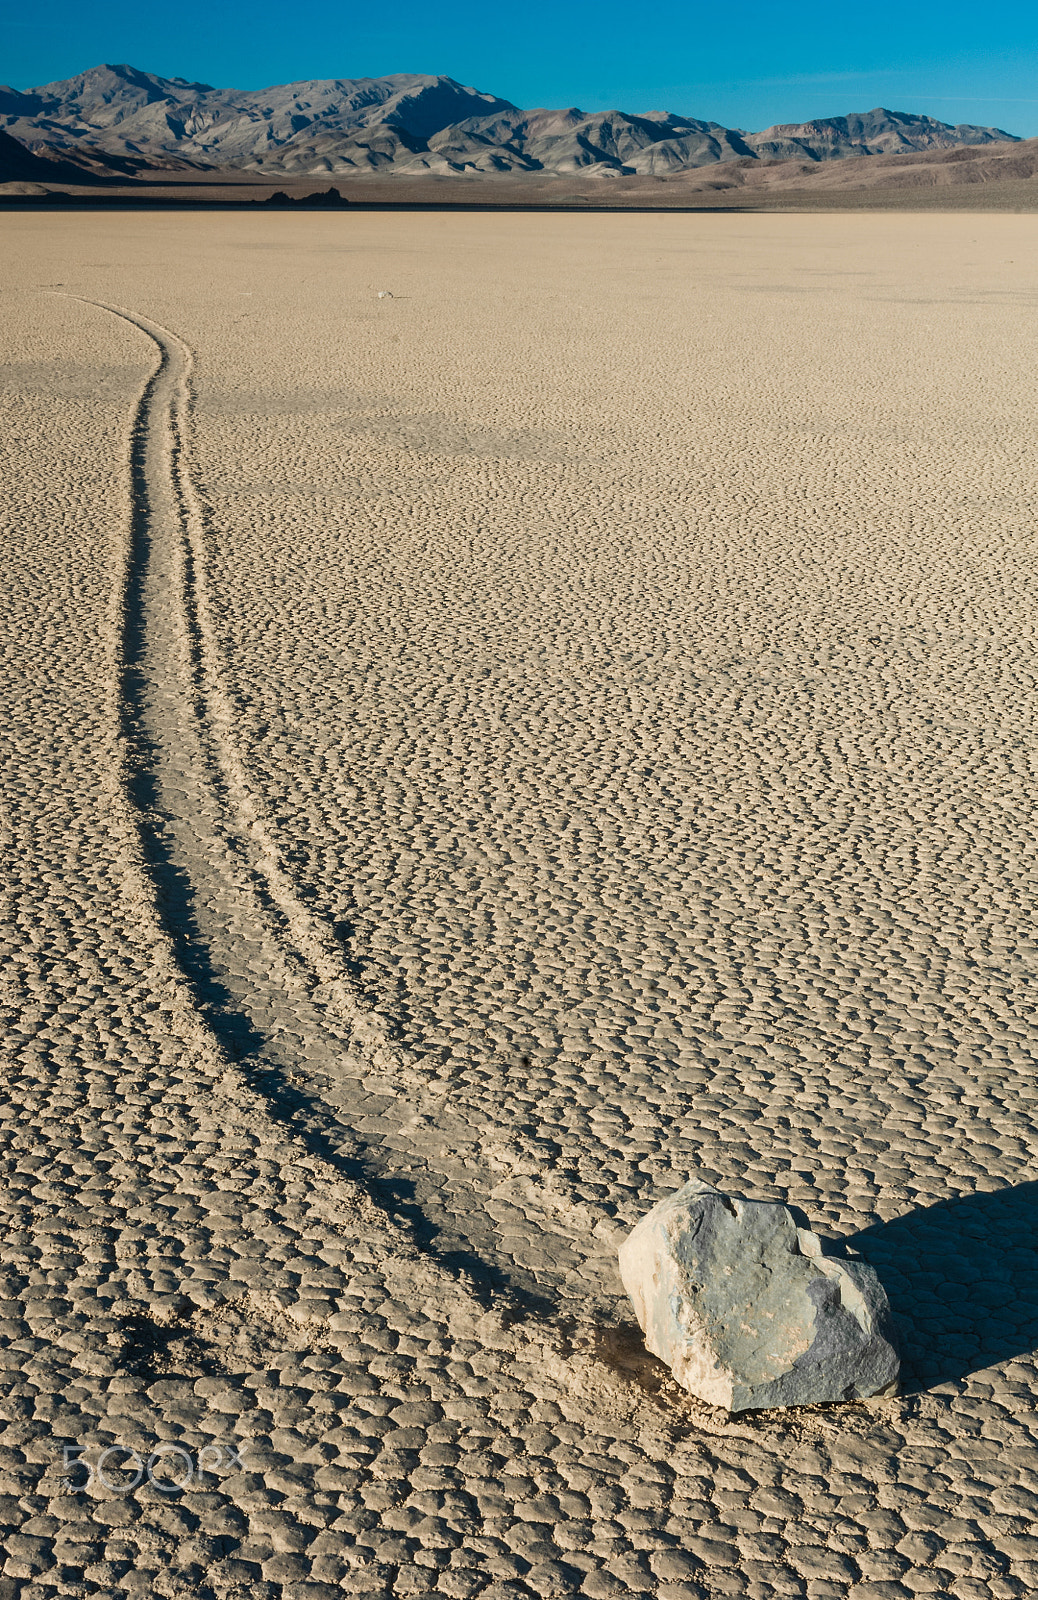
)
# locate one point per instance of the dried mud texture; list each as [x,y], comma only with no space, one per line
[474,759]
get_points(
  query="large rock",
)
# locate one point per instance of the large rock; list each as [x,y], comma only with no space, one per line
[748,1311]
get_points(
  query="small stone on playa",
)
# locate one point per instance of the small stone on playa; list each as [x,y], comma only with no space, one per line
[748,1310]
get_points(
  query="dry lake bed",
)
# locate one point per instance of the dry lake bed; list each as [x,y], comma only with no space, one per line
[502,714]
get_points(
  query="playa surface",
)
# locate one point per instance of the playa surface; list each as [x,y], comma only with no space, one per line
[505,713]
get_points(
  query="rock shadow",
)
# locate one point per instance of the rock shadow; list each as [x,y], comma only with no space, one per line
[962,1278]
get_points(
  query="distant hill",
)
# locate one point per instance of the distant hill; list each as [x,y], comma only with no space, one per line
[117,117]
[46,165]
[17,164]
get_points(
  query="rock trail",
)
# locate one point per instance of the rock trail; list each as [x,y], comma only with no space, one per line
[270,978]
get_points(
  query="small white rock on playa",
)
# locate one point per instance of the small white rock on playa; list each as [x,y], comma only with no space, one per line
[747,1310]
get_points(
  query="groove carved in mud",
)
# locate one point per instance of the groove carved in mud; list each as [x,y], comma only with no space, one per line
[269,977]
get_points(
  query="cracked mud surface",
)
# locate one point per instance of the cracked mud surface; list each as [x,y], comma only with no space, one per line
[475,758]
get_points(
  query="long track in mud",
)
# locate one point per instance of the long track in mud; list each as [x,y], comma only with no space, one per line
[270,979]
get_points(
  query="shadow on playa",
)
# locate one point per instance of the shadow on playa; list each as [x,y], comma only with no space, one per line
[962,1278]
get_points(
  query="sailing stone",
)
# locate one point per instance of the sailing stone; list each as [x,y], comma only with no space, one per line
[750,1311]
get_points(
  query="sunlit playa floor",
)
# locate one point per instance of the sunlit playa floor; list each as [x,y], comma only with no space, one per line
[479,755]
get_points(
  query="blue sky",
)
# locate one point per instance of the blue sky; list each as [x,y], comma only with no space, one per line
[749,66]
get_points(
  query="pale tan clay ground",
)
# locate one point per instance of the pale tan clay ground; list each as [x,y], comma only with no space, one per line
[476,758]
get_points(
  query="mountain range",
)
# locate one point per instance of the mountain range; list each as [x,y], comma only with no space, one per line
[120,119]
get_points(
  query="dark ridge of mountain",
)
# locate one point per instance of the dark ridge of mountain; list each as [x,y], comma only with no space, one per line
[79,165]
[17,164]
[45,165]
[421,125]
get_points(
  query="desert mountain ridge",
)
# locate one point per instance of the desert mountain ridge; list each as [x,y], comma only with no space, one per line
[419,125]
